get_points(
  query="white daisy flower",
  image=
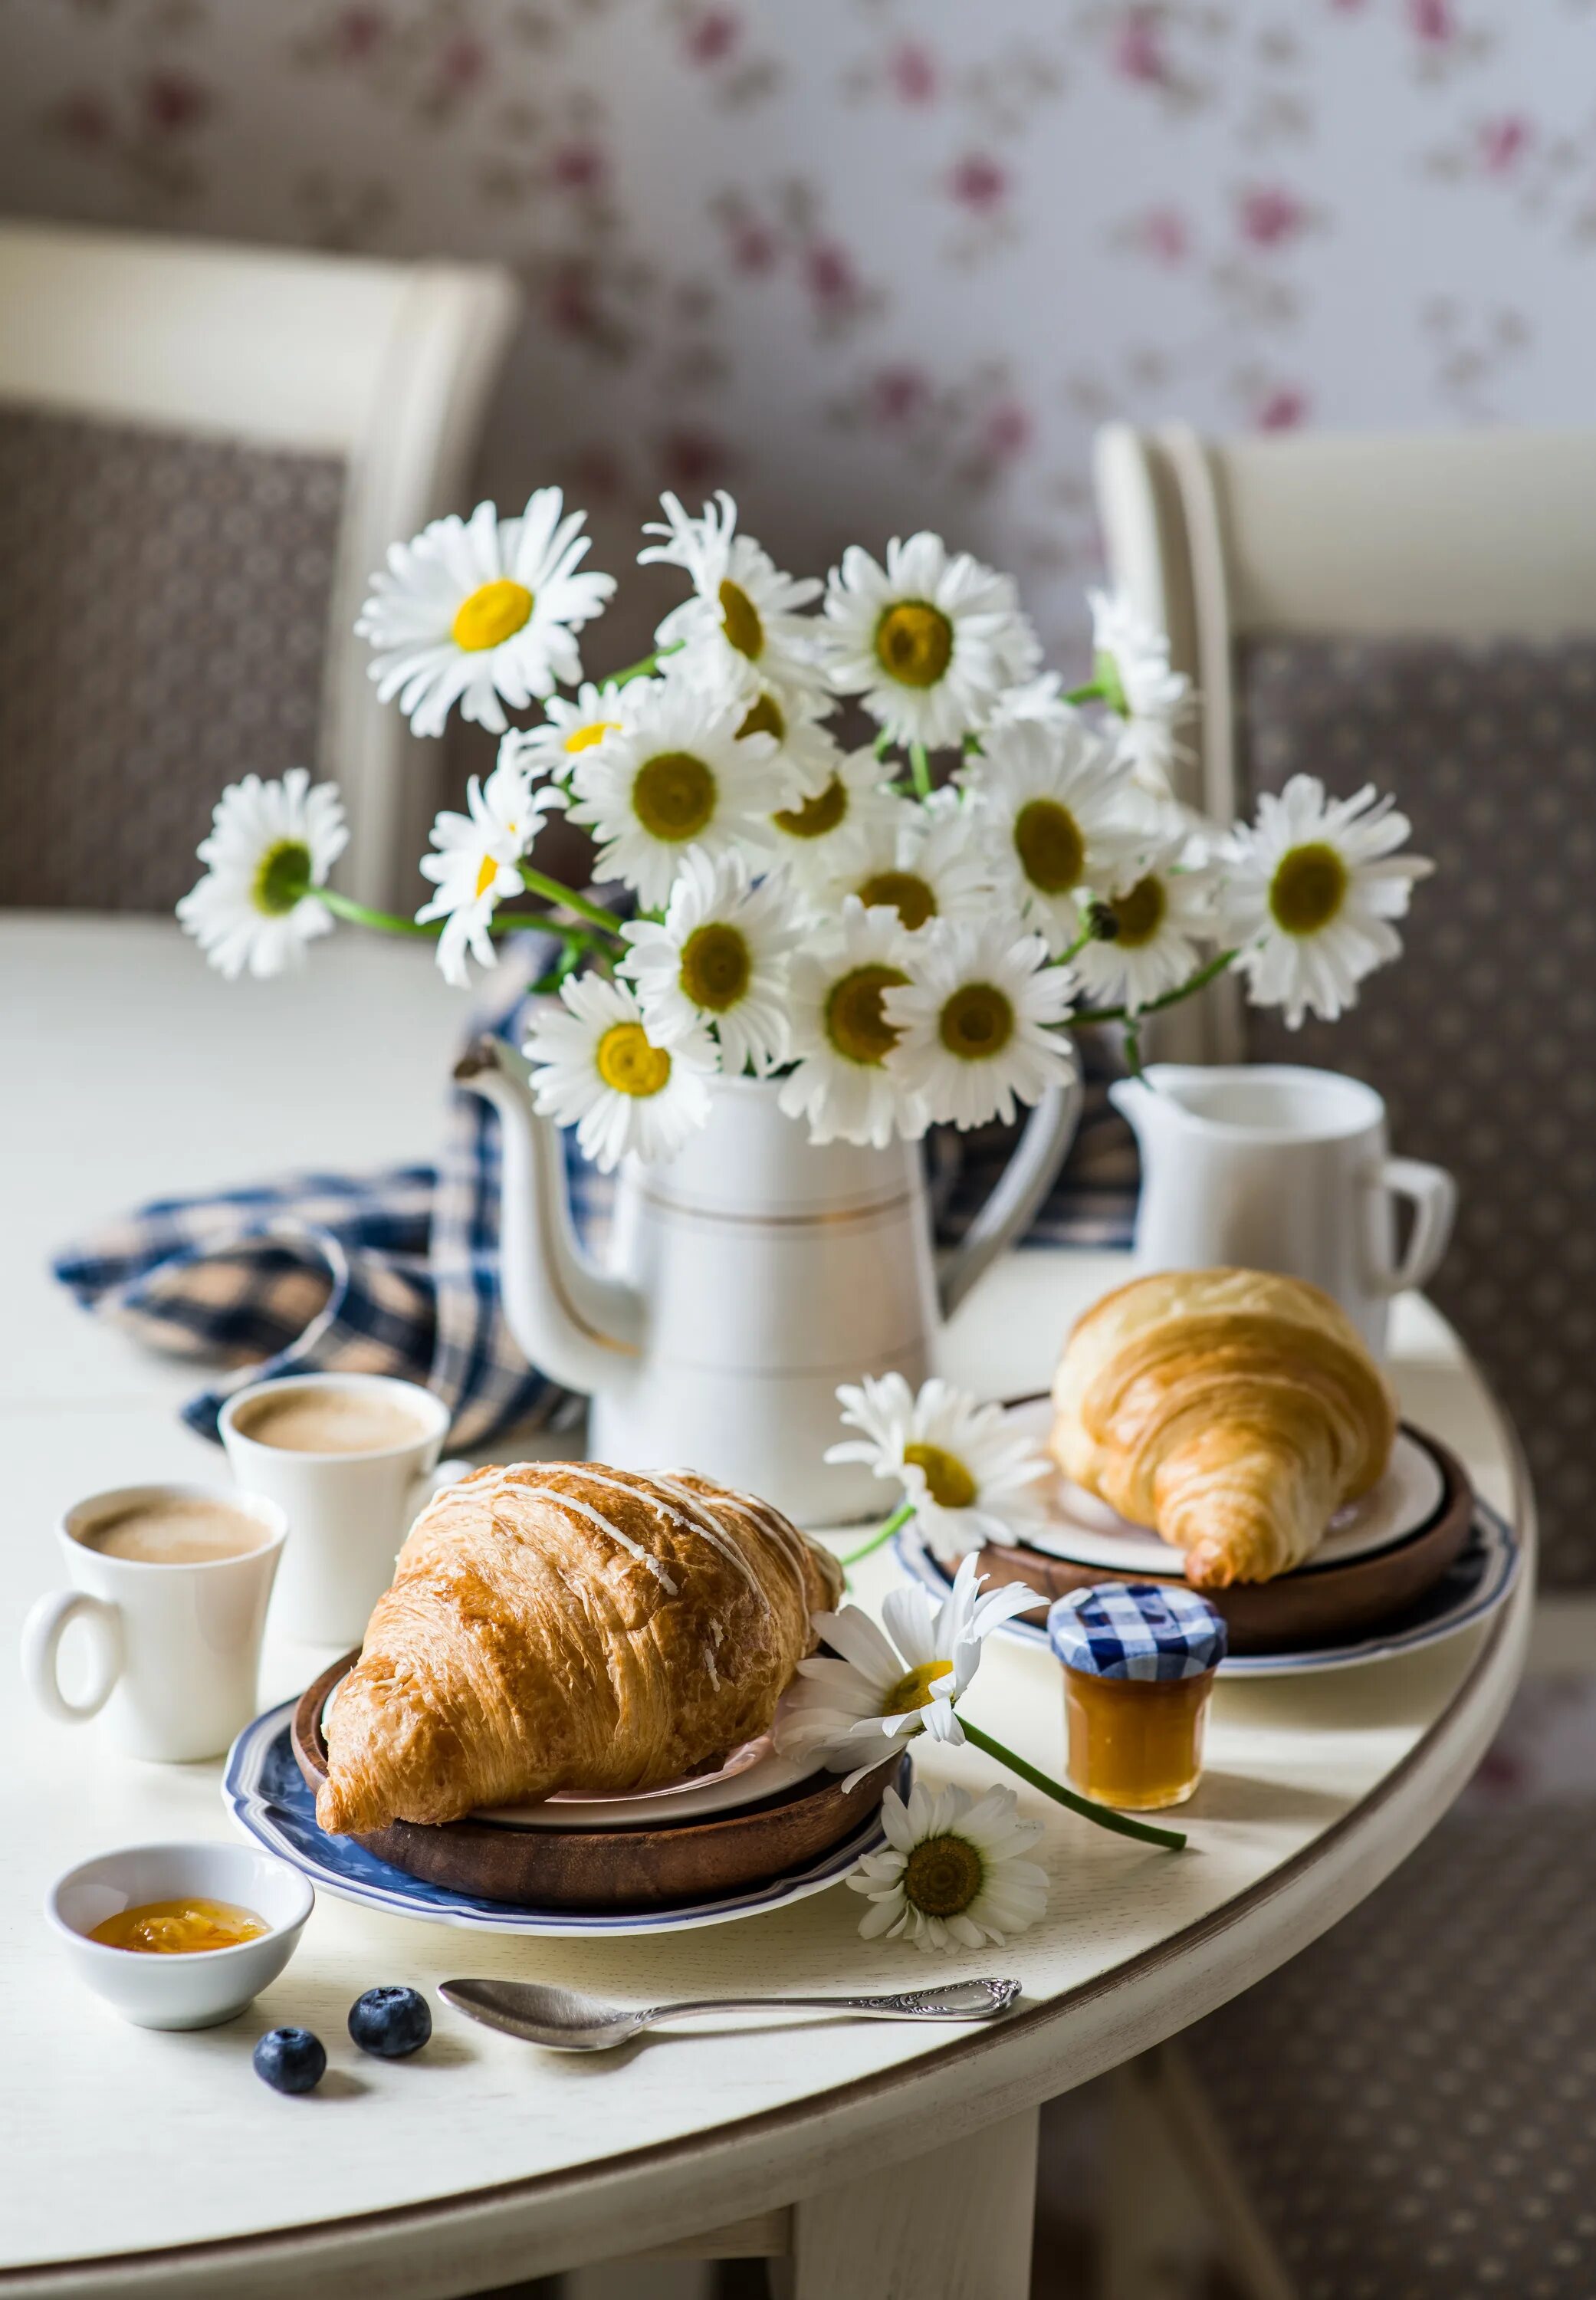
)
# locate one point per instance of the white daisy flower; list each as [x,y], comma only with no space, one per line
[930,642]
[924,861]
[811,835]
[719,957]
[953,1874]
[975,1022]
[1061,822]
[1308,892]
[841,1036]
[675,775]
[570,727]
[1131,663]
[599,1069]
[270,845]
[887,1686]
[971,1477]
[742,621]
[477,859]
[1153,929]
[479,610]
[1039,703]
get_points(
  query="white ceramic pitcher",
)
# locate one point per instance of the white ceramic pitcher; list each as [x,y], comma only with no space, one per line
[1269,1166]
[745,1279]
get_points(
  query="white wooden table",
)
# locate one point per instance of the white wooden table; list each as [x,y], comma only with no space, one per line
[132,2163]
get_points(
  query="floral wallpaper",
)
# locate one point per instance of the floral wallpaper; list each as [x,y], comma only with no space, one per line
[875,263]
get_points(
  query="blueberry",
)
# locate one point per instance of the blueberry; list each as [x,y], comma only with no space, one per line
[390,2022]
[291,2060]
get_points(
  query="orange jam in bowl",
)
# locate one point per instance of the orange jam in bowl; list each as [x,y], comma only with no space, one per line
[1139,1660]
[184,1928]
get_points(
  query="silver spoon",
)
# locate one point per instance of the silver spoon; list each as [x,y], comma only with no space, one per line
[573,2023]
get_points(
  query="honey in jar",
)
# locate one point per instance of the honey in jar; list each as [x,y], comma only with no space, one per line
[186,1927]
[1139,1661]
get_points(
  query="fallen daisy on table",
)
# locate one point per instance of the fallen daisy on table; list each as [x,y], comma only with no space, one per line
[953,1875]
[968,1476]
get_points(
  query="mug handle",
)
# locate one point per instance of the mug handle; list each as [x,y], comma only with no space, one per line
[1032,1169]
[1432,1195]
[42,1633]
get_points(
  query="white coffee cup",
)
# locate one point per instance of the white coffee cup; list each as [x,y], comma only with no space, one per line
[348,1512]
[175,1648]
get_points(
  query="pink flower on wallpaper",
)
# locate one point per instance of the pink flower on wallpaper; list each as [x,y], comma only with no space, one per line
[711,34]
[1502,142]
[1282,410]
[978,183]
[1137,50]
[577,167]
[898,393]
[690,459]
[1164,234]
[752,245]
[462,63]
[173,102]
[1432,22]
[571,305]
[911,70]
[1007,431]
[83,120]
[830,276]
[357,32]
[1270,216]
[596,475]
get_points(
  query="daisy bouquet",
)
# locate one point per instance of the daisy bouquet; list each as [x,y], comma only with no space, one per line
[900,932]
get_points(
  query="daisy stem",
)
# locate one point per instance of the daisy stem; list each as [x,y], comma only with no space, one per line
[1198,981]
[1103,1815]
[922,769]
[344,906]
[644,664]
[1093,691]
[565,898]
[900,1516]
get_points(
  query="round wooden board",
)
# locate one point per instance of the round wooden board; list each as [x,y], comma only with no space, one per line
[1315,1605]
[616,1869]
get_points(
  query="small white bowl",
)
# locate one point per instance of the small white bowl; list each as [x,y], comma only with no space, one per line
[179,1991]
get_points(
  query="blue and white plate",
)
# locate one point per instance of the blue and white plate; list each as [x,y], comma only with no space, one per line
[266,1793]
[1474,1585]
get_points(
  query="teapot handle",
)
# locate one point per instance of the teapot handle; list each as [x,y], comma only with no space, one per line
[1024,1183]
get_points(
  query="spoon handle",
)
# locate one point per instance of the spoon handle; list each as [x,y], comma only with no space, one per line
[960,2000]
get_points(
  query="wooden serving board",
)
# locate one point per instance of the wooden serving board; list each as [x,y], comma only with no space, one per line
[637,1867]
[1318,1605]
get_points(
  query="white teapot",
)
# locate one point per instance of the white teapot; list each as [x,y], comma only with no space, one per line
[745,1279]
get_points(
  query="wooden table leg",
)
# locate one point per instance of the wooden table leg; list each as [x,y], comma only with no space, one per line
[955,2225]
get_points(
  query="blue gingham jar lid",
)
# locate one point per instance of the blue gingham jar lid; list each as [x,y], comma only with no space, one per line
[1136,1629]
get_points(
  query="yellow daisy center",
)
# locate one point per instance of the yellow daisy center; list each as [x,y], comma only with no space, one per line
[740,621]
[583,739]
[493,613]
[817,815]
[1048,841]
[1140,914]
[487,871]
[855,1021]
[949,1483]
[626,1061]
[282,876]
[914,643]
[976,1023]
[765,718]
[943,1876]
[1309,887]
[673,795]
[911,897]
[915,1691]
[716,966]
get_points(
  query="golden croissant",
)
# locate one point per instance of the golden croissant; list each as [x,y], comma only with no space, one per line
[1232,1410]
[559,1625]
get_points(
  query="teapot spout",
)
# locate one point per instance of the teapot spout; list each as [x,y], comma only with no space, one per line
[575,1323]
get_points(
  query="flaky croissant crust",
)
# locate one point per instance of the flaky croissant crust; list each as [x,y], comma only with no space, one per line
[556,1625]
[1234,1410]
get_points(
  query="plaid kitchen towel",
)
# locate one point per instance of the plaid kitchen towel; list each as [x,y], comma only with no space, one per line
[396,1271]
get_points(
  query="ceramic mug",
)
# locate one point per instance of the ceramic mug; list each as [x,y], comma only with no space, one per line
[176,1649]
[1274,1166]
[348,1512]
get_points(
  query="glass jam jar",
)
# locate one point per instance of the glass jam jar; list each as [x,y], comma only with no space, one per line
[1139,1661]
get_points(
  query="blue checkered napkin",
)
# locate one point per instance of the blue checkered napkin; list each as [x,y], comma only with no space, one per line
[1136,1629]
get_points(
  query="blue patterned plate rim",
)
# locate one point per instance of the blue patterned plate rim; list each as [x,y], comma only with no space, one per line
[268,1800]
[1480,1579]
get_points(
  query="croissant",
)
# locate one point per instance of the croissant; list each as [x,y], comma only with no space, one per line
[557,1625]
[1232,1410]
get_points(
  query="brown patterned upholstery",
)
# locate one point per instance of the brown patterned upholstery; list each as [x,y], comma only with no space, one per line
[1411,2103]
[1483,1039]
[163,620]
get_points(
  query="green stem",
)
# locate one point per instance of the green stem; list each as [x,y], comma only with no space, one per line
[1093,691]
[1103,1815]
[900,1516]
[922,769]
[344,906]
[1198,981]
[565,898]
[644,665]
[1075,947]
